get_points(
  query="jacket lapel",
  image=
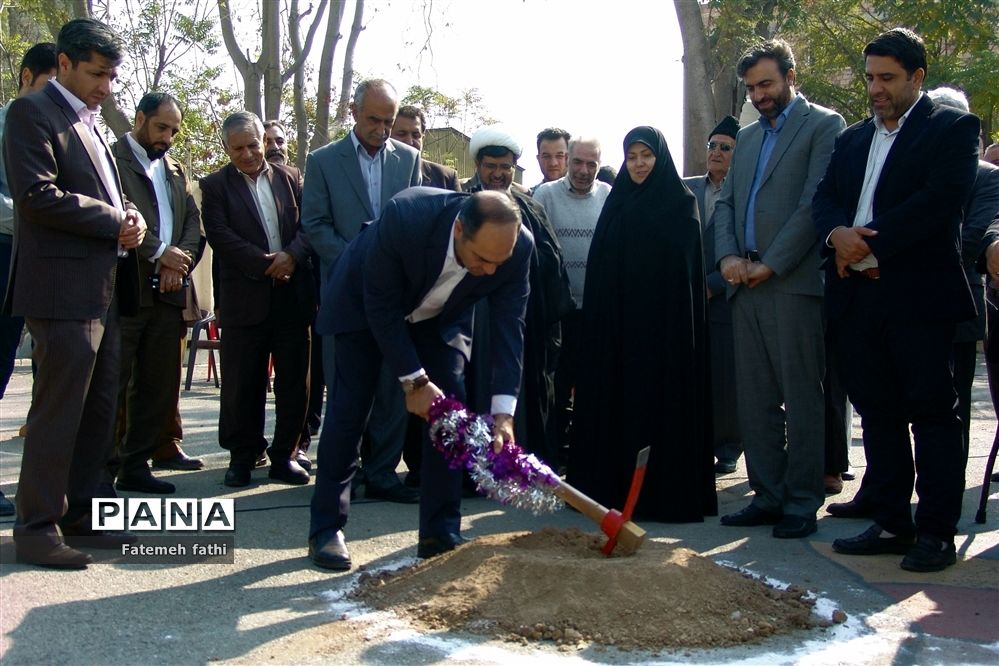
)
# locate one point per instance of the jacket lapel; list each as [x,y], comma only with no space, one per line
[747,152]
[238,185]
[352,169]
[907,135]
[96,150]
[795,121]
[390,167]
[178,197]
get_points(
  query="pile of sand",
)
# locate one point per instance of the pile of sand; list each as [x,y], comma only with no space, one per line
[555,585]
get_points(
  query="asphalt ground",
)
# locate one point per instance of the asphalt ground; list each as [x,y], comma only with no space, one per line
[271,606]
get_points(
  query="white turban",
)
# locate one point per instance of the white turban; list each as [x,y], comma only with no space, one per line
[494,135]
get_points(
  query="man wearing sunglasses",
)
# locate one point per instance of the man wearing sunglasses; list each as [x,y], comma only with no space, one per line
[707,188]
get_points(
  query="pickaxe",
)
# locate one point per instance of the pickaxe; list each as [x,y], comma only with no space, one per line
[615,524]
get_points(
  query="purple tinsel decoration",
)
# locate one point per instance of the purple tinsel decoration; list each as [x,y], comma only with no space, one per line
[510,477]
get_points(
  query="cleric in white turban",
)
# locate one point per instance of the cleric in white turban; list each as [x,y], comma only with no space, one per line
[498,136]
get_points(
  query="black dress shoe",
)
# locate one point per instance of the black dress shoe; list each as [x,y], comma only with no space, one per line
[181,462]
[327,549]
[144,483]
[52,556]
[751,516]
[851,509]
[724,466]
[100,539]
[794,527]
[870,542]
[6,506]
[433,546]
[412,480]
[303,461]
[397,493]
[929,554]
[288,471]
[237,476]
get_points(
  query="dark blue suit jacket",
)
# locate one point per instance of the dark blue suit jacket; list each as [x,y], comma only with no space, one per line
[924,183]
[385,273]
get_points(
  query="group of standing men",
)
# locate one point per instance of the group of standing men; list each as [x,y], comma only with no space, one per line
[107,238]
[880,205]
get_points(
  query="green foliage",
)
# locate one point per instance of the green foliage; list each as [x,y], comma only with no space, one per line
[465,112]
[828,37]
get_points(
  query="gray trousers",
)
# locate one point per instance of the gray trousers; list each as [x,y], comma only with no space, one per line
[780,361]
[387,425]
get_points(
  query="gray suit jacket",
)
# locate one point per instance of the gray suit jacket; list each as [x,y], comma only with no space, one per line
[335,201]
[718,308]
[785,235]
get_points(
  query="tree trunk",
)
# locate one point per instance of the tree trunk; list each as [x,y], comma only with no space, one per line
[270,59]
[321,133]
[698,100]
[347,82]
[248,71]
[297,69]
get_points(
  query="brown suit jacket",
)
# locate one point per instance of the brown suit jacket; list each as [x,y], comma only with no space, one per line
[186,218]
[438,175]
[236,234]
[65,256]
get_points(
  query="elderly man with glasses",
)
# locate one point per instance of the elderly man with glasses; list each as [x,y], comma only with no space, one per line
[707,187]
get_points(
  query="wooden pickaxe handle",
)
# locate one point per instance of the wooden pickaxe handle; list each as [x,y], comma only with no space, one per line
[629,537]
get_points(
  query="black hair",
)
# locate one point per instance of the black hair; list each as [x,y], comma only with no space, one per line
[39,59]
[152,101]
[776,49]
[414,112]
[553,134]
[81,37]
[901,44]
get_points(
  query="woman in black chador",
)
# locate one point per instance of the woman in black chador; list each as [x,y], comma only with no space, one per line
[644,374]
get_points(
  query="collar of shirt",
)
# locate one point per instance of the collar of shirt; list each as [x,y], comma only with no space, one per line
[139,152]
[710,184]
[252,180]
[782,118]
[87,115]
[362,151]
[901,121]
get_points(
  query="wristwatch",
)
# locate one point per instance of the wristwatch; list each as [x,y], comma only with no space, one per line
[411,385]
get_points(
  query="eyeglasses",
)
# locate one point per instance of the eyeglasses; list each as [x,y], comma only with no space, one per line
[724,147]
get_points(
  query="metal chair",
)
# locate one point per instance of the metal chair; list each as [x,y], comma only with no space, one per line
[211,343]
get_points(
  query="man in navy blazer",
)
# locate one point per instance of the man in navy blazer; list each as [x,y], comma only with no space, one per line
[403,291]
[888,213]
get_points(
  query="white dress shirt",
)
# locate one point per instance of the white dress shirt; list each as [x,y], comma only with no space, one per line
[156,172]
[432,304]
[371,172]
[881,144]
[263,196]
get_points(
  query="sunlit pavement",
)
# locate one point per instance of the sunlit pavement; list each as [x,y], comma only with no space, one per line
[272,606]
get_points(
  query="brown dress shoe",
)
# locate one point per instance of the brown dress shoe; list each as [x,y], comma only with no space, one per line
[51,555]
[181,461]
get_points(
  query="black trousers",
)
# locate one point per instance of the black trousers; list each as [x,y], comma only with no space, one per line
[898,373]
[246,353]
[348,407]
[149,381]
